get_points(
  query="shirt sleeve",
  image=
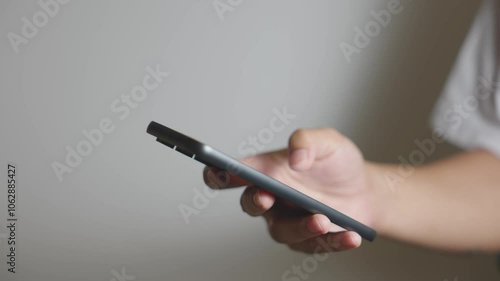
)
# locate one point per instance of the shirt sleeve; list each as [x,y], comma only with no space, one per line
[468,111]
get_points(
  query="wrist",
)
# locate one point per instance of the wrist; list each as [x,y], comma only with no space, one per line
[380,195]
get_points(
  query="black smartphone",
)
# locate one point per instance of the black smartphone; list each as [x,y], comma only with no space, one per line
[212,157]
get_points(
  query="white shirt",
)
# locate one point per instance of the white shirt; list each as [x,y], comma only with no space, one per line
[468,110]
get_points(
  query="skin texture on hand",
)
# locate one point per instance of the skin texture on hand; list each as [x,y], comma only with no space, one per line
[320,163]
[449,205]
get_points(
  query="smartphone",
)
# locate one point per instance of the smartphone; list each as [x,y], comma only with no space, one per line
[212,157]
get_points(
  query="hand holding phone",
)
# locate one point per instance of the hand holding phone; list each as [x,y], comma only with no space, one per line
[211,157]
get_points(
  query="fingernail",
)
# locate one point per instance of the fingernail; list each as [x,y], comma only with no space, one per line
[356,239]
[298,156]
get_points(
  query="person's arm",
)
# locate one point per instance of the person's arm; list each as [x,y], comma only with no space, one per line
[452,204]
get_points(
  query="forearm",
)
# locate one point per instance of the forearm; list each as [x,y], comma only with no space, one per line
[453,204]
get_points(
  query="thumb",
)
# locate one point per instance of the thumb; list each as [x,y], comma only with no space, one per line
[306,146]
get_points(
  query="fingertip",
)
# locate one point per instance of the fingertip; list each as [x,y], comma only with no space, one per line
[208,177]
[263,200]
[307,145]
[318,224]
[352,240]
[215,178]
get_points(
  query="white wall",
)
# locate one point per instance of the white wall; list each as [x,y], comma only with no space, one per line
[118,209]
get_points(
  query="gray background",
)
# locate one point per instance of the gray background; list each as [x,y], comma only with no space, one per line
[119,208]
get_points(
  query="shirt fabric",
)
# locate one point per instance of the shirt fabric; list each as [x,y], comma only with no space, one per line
[468,111]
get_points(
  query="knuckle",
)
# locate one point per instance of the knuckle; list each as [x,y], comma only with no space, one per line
[330,132]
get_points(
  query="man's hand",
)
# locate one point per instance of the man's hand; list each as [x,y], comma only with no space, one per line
[321,163]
